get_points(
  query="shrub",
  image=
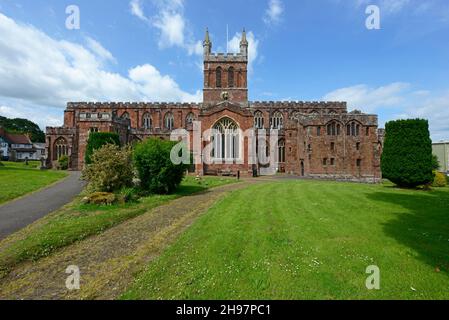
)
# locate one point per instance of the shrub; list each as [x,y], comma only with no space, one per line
[63,163]
[128,195]
[100,198]
[111,169]
[407,154]
[156,171]
[440,180]
[97,140]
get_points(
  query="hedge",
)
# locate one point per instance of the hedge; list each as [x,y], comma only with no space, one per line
[407,155]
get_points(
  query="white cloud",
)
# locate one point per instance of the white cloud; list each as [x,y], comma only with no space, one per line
[369,99]
[171,23]
[253,47]
[274,12]
[137,10]
[37,71]
[398,100]
[100,51]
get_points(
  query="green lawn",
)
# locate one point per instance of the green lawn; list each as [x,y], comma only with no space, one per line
[17,179]
[309,240]
[77,221]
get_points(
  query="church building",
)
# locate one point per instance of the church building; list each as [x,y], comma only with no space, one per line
[315,139]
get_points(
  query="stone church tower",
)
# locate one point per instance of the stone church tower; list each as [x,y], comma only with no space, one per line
[225,75]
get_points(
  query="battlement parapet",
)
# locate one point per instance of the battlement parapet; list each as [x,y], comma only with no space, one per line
[300,104]
[225,57]
[130,105]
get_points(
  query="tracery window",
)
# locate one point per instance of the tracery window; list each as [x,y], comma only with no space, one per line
[226,140]
[277,121]
[258,120]
[169,121]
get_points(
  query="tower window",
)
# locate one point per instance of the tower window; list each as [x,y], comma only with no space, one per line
[218,77]
[325,162]
[318,131]
[231,77]
[332,161]
[359,162]
[357,146]
[332,146]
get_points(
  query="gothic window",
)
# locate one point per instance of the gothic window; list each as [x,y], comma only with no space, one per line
[147,121]
[333,129]
[125,115]
[60,148]
[318,131]
[226,140]
[169,121]
[258,120]
[281,151]
[277,121]
[353,129]
[231,77]
[218,77]
[190,118]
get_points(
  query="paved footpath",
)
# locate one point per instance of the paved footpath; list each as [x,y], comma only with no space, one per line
[20,213]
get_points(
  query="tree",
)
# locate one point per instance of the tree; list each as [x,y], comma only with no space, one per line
[157,173]
[407,154]
[435,163]
[97,140]
[23,126]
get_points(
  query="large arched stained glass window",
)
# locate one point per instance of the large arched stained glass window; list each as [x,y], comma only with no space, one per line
[226,140]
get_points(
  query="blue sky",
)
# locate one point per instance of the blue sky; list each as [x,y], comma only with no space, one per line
[150,50]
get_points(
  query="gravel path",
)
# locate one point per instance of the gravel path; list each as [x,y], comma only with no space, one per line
[18,214]
[108,262]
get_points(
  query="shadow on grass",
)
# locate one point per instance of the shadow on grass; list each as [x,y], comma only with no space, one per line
[423,226]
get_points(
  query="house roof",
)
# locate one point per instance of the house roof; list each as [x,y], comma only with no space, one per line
[15,138]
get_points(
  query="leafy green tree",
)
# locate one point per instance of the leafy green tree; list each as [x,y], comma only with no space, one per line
[97,140]
[407,154]
[157,173]
[23,126]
